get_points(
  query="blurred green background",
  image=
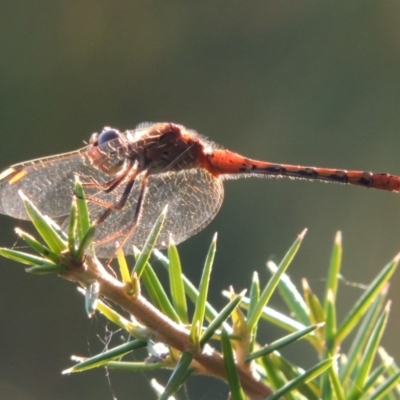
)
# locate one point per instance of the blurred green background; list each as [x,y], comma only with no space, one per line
[306,82]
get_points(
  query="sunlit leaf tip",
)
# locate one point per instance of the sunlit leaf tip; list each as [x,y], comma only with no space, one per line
[302,234]
[338,238]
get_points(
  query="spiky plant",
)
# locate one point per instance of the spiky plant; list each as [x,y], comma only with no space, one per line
[221,343]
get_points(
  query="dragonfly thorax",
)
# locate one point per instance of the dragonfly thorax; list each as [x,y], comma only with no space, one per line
[166,147]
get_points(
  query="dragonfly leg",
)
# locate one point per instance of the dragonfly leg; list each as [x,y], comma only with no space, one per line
[104,187]
[113,183]
[129,175]
[126,232]
[121,202]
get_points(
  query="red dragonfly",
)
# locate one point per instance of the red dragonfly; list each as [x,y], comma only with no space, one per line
[130,176]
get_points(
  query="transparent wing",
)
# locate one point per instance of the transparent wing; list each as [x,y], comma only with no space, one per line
[193,197]
[48,182]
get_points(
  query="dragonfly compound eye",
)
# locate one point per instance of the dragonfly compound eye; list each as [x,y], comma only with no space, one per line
[107,134]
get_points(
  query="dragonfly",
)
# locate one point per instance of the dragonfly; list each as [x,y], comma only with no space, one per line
[130,176]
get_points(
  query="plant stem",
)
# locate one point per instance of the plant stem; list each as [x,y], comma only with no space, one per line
[206,360]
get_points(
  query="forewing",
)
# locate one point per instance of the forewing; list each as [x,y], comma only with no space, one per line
[48,182]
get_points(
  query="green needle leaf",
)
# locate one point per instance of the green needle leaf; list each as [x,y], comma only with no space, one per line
[199,311]
[273,282]
[254,293]
[180,374]
[42,225]
[176,284]
[123,267]
[72,228]
[38,247]
[85,243]
[366,299]
[220,318]
[362,336]
[45,269]
[157,293]
[276,318]
[149,245]
[369,355]
[193,294]
[385,388]
[291,296]
[131,366]
[334,270]
[83,218]
[305,377]
[283,342]
[25,258]
[230,368]
[107,356]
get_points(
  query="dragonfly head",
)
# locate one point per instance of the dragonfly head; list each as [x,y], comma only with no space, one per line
[104,151]
[107,134]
